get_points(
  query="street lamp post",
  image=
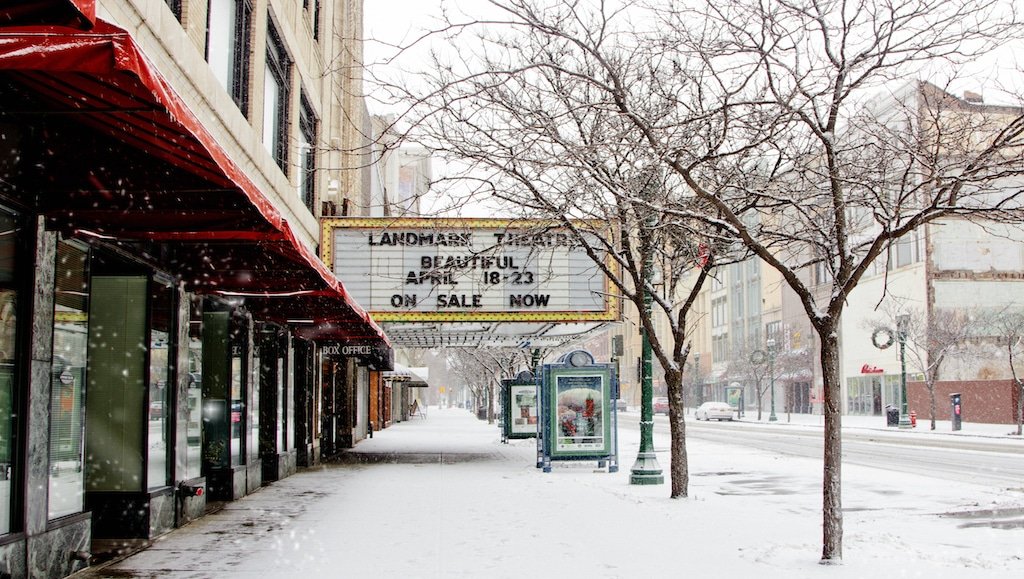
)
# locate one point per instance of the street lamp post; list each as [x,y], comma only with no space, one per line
[698,388]
[646,470]
[902,322]
[771,378]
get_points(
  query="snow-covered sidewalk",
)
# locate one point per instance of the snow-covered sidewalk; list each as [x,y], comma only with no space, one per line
[442,497]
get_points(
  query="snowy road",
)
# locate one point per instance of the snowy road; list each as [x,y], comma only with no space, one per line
[978,460]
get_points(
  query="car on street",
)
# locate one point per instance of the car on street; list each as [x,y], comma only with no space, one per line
[714,411]
[620,405]
[661,405]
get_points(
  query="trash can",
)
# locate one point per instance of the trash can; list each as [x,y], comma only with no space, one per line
[892,416]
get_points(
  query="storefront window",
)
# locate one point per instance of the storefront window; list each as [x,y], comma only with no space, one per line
[193,428]
[282,402]
[160,409]
[869,395]
[237,404]
[864,396]
[9,229]
[67,382]
[253,414]
[891,390]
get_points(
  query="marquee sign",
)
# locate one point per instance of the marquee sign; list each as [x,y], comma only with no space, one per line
[424,269]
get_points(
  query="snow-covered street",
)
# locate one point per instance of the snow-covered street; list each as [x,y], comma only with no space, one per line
[443,497]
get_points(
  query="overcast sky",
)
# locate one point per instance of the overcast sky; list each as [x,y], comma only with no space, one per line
[401,21]
[395,21]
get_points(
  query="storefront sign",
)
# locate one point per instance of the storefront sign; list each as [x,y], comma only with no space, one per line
[469,269]
[869,369]
[379,356]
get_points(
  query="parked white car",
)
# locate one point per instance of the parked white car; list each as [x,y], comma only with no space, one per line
[714,411]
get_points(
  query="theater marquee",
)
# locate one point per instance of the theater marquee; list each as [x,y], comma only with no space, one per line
[425,269]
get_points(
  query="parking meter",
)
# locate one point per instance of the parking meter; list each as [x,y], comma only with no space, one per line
[955,401]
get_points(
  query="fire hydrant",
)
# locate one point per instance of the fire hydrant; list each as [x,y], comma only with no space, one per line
[913,419]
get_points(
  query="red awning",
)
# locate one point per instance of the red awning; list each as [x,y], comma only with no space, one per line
[76,13]
[220,233]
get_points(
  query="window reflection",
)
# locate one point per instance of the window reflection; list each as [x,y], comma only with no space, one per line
[237,405]
[252,440]
[194,398]
[67,390]
[9,229]
[282,425]
[159,411]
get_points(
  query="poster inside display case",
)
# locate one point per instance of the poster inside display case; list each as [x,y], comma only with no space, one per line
[523,418]
[580,421]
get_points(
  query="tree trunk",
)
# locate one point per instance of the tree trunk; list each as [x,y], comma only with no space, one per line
[832,505]
[760,395]
[490,404]
[679,472]
[931,394]
[1020,406]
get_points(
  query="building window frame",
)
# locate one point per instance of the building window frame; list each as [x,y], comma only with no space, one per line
[308,125]
[175,6]
[15,289]
[275,103]
[312,8]
[233,72]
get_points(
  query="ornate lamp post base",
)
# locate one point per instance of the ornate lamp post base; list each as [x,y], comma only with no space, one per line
[646,470]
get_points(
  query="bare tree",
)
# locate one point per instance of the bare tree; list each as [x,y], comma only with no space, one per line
[749,366]
[758,114]
[484,368]
[817,181]
[465,370]
[531,140]
[1007,327]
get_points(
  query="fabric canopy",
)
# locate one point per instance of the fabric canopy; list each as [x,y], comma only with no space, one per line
[169,182]
[77,13]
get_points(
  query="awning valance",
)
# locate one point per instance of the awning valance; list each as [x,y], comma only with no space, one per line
[76,13]
[177,188]
[412,377]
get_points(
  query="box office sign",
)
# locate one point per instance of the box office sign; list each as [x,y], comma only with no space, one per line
[469,269]
[581,416]
[378,355]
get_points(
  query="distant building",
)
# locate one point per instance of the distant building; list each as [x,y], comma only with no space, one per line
[401,174]
[954,263]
